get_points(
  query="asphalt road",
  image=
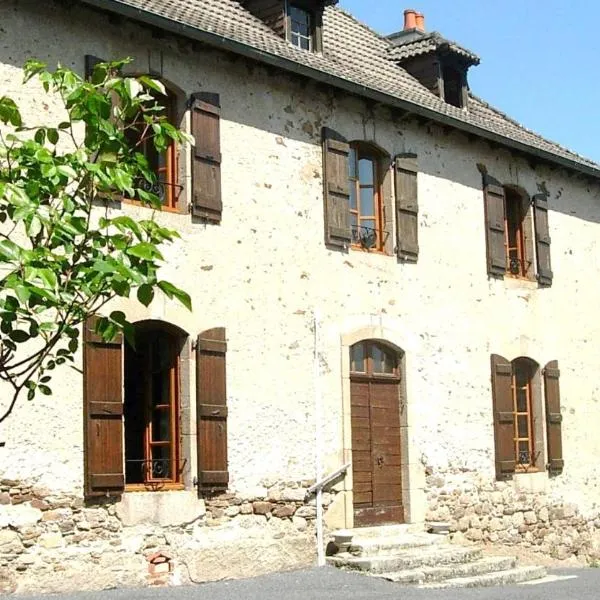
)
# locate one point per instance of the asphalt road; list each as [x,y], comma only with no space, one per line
[331,584]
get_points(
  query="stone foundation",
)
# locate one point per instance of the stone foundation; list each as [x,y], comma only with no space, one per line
[52,543]
[481,510]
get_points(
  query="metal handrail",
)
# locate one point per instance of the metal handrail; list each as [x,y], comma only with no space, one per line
[323,482]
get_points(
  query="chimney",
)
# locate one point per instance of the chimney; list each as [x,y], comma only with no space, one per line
[410,19]
[420,21]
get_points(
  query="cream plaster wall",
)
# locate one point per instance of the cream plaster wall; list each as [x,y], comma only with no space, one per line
[265,269]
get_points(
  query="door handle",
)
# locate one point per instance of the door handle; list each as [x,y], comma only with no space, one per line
[380,461]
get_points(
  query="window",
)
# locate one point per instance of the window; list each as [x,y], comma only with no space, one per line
[163,164]
[366,211]
[151,407]
[515,211]
[300,27]
[518,406]
[523,371]
[371,358]
[517,232]
[453,86]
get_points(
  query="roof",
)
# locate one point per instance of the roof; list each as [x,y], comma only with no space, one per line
[404,47]
[355,58]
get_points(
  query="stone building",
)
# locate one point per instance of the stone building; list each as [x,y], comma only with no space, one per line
[386,271]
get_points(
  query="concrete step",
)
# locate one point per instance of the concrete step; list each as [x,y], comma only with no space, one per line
[507,577]
[440,573]
[377,546]
[407,559]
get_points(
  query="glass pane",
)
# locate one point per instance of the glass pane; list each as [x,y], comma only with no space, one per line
[352,163]
[352,195]
[367,225]
[365,171]
[161,431]
[524,456]
[300,19]
[522,400]
[357,358]
[523,429]
[305,43]
[378,358]
[367,202]
[161,462]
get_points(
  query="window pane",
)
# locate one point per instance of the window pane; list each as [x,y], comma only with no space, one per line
[305,43]
[352,195]
[524,457]
[161,431]
[357,358]
[365,171]
[367,202]
[383,360]
[161,462]
[367,225]
[352,163]
[522,400]
[523,429]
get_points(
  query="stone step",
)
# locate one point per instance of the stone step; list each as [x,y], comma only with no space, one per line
[407,559]
[376,546]
[440,573]
[516,575]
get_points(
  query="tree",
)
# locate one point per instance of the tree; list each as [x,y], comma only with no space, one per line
[64,253]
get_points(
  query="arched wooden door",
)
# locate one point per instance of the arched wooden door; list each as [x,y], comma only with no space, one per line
[376,444]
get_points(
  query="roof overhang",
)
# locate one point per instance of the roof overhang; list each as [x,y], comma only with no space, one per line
[218,41]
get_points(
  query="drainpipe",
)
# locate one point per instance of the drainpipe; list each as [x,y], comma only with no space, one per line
[318,442]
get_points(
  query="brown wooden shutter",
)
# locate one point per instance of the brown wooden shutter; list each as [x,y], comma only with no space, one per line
[504,419]
[336,188]
[542,239]
[211,409]
[553,417]
[90,62]
[206,169]
[493,194]
[103,413]
[407,207]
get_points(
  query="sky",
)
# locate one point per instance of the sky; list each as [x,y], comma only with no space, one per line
[539,58]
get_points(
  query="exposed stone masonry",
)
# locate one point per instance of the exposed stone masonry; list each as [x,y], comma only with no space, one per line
[44,534]
[496,512]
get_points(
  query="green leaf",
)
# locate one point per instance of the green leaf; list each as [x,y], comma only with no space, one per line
[67,171]
[9,250]
[145,294]
[45,390]
[19,336]
[174,292]
[53,136]
[145,250]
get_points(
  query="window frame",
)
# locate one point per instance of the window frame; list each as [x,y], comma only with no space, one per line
[175,480]
[360,150]
[514,203]
[315,17]
[529,369]
[172,188]
[369,372]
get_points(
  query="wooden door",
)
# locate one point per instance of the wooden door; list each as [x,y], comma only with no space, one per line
[376,442]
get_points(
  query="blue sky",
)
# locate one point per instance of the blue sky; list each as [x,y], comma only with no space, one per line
[538,57]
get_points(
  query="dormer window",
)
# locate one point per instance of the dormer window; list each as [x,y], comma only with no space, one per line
[300,27]
[454,87]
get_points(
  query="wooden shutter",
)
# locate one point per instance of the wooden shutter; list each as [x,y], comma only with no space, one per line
[504,419]
[553,417]
[493,194]
[211,410]
[542,239]
[206,169]
[336,188]
[407,207]
[90,62]
[103,413]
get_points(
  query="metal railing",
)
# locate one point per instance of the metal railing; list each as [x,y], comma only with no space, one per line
[319,485]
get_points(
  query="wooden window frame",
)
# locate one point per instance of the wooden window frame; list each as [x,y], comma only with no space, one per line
[171,168]
[174,482]
[515,200]
[362,152]
[520,466]
[370,374]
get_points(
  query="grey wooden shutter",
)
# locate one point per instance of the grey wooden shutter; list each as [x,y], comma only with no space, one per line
[206,168]
[407,207]
[542,239]
[211,410]
[493,195]
[553,417]
[504,419]
[336,188]
[103,413]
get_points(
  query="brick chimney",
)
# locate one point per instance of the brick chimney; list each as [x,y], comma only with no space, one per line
[420,21]
[410,19]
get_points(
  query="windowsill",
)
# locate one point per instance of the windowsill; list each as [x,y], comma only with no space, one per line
[369,250]
[159,487]
[169,209]
[169,508]
[520,283]
[531,481]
